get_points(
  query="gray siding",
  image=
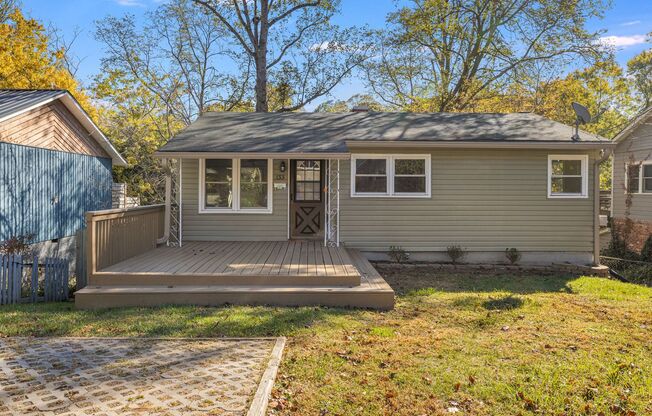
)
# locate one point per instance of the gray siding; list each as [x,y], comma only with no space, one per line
[484,200]
[230,227]
[638,145]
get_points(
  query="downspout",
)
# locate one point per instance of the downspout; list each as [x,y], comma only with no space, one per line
[606,154]
[168,206]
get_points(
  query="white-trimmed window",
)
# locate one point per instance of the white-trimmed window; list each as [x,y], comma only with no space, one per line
[639,177]
[568,176]
[235,185]
[646,178]
[390,175]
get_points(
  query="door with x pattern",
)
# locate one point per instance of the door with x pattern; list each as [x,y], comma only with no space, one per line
[307,199]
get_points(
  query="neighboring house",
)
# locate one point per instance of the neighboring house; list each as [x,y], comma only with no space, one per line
[632,179]
[422,182]
[55,164]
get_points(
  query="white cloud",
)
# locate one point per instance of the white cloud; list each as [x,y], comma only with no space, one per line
[631,23]
[623,41]
[129,3]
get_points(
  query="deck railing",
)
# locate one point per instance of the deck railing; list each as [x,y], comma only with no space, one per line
[115,235]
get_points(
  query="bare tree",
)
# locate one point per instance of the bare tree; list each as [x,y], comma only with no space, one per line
[60,43]
[6,8]
[293,43]
[440,55]
[180,56]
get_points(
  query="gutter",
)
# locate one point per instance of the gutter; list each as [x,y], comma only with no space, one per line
[266,155]
[549,145]
[596,204]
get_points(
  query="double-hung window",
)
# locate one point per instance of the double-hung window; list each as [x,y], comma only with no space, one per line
[394,175]
[568,176]
[235,185]
[646,178]
[639,178]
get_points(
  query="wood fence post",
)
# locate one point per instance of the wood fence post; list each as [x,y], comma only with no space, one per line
[34,278]
[3,280]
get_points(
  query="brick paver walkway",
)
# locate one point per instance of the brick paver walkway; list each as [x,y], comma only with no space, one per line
[77,376]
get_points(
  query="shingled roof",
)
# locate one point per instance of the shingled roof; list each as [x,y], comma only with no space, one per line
[335,132]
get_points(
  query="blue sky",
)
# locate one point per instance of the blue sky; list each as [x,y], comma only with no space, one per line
[626,24]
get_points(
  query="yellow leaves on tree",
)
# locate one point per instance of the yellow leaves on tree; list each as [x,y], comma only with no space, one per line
[28,61]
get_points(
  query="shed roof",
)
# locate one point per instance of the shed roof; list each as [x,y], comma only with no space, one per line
[336,132]
[17,101]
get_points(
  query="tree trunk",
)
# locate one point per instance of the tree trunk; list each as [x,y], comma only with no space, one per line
[262,106]
[261,82]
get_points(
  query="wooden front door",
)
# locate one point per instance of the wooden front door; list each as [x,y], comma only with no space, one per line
[307,199]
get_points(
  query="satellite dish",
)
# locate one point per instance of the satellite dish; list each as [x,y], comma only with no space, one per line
[583,117]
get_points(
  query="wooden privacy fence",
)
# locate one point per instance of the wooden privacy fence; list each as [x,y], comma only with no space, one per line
[117,234]
[25,279]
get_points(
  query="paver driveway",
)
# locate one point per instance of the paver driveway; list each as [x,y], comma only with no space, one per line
[109,376]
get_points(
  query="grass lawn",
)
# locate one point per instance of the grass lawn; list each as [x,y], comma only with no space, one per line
[479,345]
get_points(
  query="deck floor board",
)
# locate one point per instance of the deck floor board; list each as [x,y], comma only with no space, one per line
[266,258]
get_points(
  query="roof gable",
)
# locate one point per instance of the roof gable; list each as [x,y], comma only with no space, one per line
[14,103]
[633,125]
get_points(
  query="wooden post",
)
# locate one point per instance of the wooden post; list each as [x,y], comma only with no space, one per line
[64,268]
[34,285]
[3,281]
[91,255]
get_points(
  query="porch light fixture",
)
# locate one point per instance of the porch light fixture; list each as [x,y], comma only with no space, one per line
[283,167]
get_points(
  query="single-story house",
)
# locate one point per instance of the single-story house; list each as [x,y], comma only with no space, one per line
[55,164]
[632,179]
[288,208]
[422,182]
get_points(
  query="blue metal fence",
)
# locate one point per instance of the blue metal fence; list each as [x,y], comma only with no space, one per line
[46,192]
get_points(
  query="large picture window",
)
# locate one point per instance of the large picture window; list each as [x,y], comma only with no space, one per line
[568,176]
[235,185]
[394,175]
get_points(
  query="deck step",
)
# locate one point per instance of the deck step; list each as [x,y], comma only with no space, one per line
[361,296]
[198,279]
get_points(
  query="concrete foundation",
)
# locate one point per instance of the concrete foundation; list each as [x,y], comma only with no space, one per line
[498,257]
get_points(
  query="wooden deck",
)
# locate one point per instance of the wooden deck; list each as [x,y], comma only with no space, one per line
[266,262]
[215,273]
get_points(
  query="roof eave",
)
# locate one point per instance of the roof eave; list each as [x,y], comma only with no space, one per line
[71,103]
[629,128]
[272,155]
[352,144]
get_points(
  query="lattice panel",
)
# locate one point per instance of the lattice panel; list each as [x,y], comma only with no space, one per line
[333,203]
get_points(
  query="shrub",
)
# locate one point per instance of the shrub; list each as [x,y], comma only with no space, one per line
[17,244]
[646,251]
[618,248]
[397,254]
[513,255]
[455,252]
